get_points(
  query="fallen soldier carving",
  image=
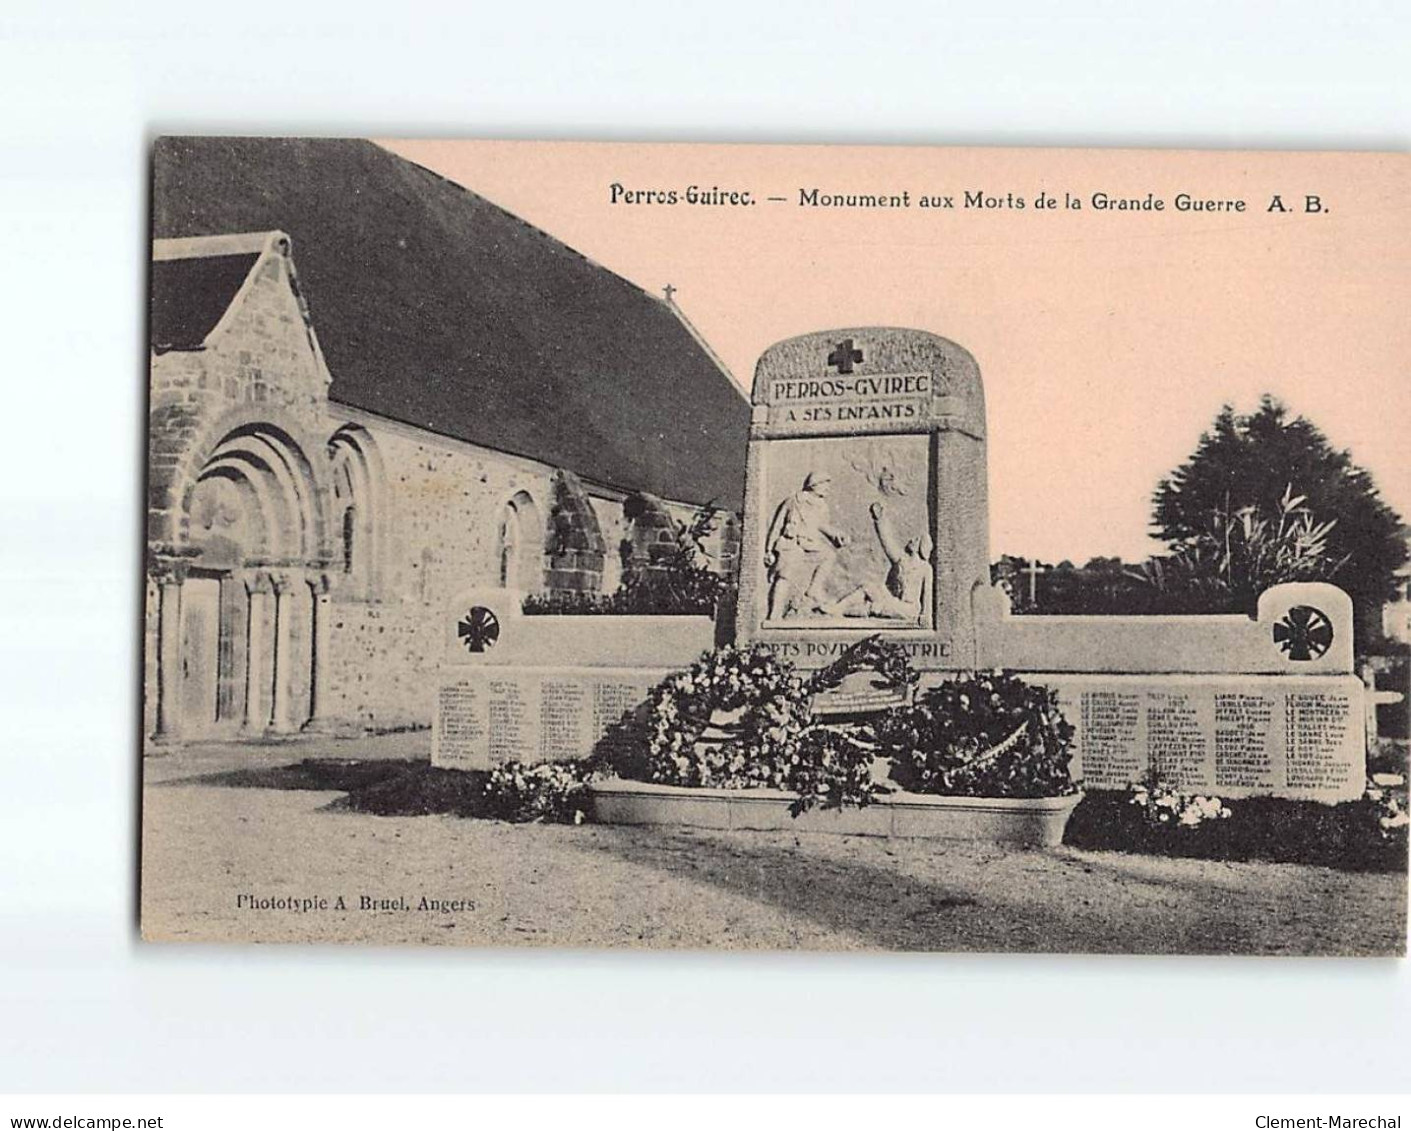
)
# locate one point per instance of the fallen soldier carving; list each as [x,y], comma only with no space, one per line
[906,591]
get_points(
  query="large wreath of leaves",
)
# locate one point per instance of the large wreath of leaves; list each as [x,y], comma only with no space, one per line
[768,708]
[886,659]
[986,735]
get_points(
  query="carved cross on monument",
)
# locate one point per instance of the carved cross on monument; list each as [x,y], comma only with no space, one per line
[844,356]
[668,291]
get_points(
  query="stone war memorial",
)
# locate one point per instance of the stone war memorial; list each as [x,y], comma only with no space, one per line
[866,514]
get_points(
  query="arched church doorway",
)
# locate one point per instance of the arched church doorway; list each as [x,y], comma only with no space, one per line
[243,598]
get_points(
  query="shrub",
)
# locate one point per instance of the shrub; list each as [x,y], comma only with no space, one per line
[548,791]
[417,789]
[985,735]
[1361,835]
[646,597]
[1161,803]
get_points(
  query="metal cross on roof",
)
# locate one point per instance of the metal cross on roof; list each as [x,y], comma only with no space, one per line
[668,291]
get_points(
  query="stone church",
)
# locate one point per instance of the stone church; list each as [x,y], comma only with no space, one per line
[370,390]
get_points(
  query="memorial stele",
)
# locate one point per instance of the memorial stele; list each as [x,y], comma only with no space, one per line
[865,498]
[866,512]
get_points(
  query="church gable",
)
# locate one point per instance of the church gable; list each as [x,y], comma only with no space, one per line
[231,344]
[228,324]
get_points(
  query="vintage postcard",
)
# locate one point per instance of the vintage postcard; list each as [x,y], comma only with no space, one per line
[764,547]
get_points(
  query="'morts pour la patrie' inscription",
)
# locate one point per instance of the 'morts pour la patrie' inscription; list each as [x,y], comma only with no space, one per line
[827,650]
[849,397]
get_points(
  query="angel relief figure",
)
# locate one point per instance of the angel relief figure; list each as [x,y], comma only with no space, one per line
[906,592]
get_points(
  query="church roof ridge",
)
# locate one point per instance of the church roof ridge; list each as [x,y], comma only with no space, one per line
[437,307]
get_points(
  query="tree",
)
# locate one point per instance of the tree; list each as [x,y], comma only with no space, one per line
[1265,498]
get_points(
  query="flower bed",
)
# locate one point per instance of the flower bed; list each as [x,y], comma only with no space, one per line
[1021,822]
[733,742]
[1369,834]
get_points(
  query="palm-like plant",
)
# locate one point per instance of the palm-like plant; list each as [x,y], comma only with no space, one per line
[1242,551]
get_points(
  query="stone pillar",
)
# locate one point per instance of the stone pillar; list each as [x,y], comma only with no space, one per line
[575,553]
[279,720]
[168,726]
[903,429]
[319,678]
[257,653]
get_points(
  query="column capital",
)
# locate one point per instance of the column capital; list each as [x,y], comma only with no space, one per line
[168,562]
[257,581]
[167,572]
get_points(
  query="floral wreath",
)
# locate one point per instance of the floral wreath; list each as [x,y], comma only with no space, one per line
[986,734]
[873,654]
[761,744]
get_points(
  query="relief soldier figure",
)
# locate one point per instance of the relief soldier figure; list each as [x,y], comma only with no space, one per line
[801,548]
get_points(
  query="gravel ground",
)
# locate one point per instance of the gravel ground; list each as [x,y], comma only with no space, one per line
[206,843]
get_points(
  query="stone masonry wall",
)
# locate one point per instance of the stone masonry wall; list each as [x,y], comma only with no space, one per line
[442,501]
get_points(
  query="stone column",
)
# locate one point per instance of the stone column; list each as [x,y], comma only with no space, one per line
[257,671]
[319,677]
[168,726]
[279,720]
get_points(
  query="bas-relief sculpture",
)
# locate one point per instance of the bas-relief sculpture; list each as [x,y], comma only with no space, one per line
[817,570]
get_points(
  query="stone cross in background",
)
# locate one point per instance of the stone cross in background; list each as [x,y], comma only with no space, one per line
[1033,569]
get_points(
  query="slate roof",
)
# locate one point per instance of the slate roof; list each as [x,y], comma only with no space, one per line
[190,295]
[437,308]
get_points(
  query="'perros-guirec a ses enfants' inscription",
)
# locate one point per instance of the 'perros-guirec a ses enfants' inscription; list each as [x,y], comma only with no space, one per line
[850,398]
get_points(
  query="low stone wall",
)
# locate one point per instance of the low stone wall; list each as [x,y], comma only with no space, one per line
[488,716]
[1278,640]
[543,688]
[1228,705]
[508,637]
[1231,705]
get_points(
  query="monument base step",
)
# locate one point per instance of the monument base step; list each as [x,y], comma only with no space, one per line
[1021,822]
